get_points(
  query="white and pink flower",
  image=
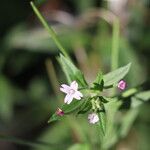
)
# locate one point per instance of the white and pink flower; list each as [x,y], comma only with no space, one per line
[93,118]
[71,92]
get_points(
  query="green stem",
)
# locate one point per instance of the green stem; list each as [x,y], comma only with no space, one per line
[115,45]
[108,87]
[49,29]
[129,92]
[100,128]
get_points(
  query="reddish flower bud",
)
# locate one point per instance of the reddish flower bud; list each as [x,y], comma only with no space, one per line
[59,112]
[121,85]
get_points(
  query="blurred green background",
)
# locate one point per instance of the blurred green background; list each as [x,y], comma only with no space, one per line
[30,75]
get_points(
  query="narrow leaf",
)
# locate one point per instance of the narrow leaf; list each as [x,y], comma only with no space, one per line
[49,29]
[116,75]
[99,82]
[145,96]
[67,109]
[86,106]
[71,71]
[111,109]
[140,98]
[135,102]
[102,123]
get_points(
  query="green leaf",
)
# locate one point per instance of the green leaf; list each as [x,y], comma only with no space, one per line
[145,96]
[135,102]
[99,82]
[111,109]
[116,75]
[86,106]
[49,29]
[129,92]
[71,71]
[140,98]
[67,109]
[102,125]
[99,78]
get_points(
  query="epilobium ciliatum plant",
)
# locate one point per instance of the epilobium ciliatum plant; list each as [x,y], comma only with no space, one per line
[91,100]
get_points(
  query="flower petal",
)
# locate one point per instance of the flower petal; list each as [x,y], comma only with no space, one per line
[93,118]
[96,119]
[74,85]
[78,95]
[68,99]
[64,88]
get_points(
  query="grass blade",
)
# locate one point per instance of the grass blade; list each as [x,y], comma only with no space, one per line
[49,29]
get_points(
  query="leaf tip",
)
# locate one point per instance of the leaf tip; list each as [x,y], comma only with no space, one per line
[129,64]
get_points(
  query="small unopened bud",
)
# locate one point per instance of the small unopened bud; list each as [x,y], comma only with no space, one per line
[59,112]
[121,85]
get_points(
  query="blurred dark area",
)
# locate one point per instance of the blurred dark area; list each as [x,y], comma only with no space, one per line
[30,74]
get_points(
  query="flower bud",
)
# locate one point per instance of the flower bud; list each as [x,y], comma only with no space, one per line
[121,85]
[59,112]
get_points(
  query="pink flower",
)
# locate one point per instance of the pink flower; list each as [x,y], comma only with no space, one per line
[93,118]
[59,112]
[71,92]
[121,85]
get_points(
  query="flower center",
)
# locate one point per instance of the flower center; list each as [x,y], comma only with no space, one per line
[71,91]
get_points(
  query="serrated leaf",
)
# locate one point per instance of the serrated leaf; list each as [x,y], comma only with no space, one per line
[67,109]
[71,71]
[116,75]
